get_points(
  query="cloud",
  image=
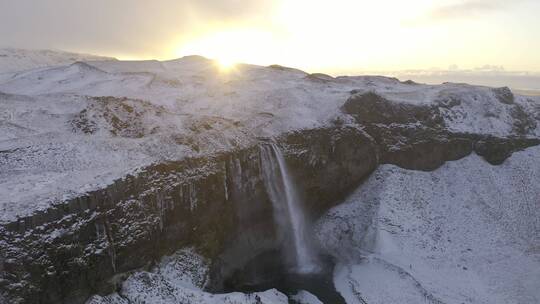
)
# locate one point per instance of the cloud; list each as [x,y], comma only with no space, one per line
[468,8]
[490,75]
[119,26]
[465,8]
[229,8]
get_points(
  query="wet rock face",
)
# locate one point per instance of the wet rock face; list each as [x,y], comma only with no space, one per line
[328,171]
[326,164]
[217,204]
[416,137]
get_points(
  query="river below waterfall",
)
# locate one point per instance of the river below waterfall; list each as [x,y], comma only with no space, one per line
[269,271]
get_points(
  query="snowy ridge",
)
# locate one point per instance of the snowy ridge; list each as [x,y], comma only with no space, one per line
[68,129]
[465,233]
[14,60]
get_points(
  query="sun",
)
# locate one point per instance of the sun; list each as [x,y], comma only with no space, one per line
[225,63]
[230,47]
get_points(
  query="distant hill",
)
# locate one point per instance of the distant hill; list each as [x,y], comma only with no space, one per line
[15,60]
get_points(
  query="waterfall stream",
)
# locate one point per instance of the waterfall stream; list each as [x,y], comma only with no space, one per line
[288,213]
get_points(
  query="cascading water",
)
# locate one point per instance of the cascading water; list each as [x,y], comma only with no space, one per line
[287,206]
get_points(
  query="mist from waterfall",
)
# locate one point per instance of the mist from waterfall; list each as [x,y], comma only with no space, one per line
[288,213]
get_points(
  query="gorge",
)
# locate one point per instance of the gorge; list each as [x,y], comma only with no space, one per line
[171,182]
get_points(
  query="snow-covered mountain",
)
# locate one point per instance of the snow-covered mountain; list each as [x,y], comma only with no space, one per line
[72,128]
[82,135]
[15,60]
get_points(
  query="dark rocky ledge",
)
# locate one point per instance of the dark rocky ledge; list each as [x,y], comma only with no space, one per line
[416,137]
[217,204]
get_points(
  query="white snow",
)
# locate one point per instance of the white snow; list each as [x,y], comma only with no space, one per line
[180,279]
[184,107]
[468,232]
[305,297]
[15,60]
[480,112]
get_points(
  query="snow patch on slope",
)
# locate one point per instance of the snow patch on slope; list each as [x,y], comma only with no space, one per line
[483,110]
[180,279]
[468,232]
[15,60]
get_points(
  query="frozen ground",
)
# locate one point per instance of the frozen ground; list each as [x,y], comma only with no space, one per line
[180,279]
[75,127]
[16,60]
[468,232]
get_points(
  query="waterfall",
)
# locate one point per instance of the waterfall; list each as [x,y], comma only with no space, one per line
[287,206]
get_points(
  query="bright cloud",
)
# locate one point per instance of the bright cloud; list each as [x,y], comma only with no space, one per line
[338,36]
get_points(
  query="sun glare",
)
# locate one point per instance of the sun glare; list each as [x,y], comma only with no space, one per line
[344,37]
[294,38]
[232,46]
[226,64]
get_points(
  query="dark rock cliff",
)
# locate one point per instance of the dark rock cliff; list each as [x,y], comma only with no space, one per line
[217,204]
[416,137]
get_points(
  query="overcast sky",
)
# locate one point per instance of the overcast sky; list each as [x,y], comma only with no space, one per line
[335,36]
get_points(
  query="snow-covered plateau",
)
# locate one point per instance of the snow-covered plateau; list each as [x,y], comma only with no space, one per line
[142,182]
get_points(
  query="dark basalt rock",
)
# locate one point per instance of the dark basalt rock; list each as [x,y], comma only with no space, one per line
[415,137]
[524,123]
[319,77]
[217,204]
[409,82]
[504,95]
[497,150]
[328,171]
[120,116]
[371,107]
[418,148]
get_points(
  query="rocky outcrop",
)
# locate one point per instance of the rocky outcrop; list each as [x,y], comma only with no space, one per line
[371,107]
[416,137]
[504,95]
[218,204]
[328,171]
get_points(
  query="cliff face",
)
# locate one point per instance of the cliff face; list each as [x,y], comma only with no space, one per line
[465,232]
[107,166]
[419,137]
[217,204]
